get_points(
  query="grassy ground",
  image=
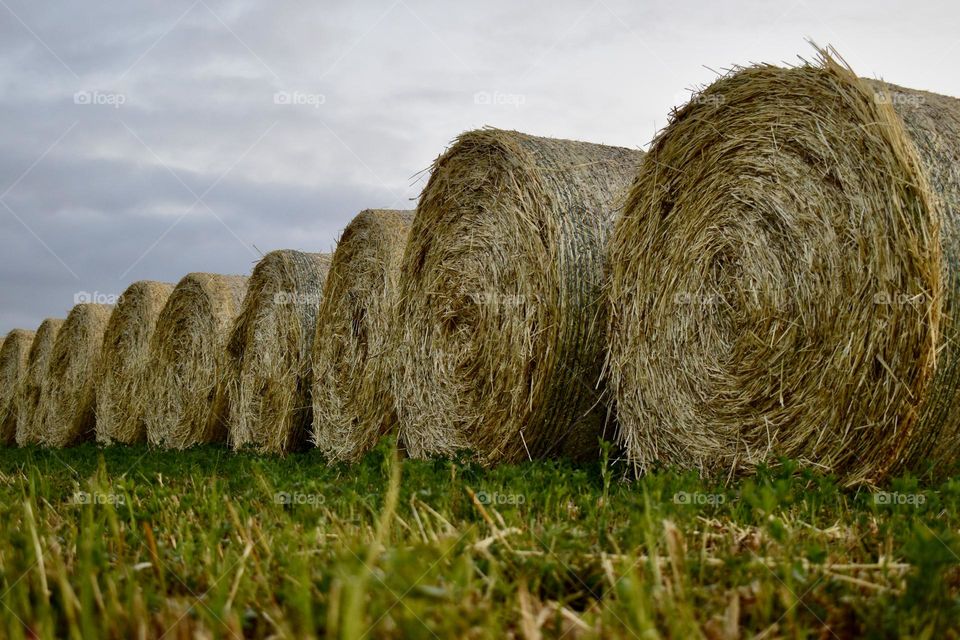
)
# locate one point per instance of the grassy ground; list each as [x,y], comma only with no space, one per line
[128,542]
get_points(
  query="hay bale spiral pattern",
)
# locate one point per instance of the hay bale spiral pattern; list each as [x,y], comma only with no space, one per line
[14,352]
[123,360]
[66,410]
[186,369]
[269,408]
[500,325]
[351,355]
[27,397]
[785,280]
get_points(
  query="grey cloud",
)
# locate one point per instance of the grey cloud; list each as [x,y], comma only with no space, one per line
[385,86]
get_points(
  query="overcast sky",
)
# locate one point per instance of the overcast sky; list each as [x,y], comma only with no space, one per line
[146,140]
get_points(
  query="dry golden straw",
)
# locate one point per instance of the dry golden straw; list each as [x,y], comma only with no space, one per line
[123,360]
[784,278]
[13,369]
[66,411]
[350,349]
[499,330]
[186,367]
[269,353]
[27,396]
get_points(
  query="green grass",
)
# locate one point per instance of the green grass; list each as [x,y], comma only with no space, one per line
[128,542]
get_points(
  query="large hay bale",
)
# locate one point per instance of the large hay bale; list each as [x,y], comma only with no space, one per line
[14,352]
[28,393]
[785,278]
[351,344]
[182,402]
[499,336]
[269,353]
[66,411]
[126,345]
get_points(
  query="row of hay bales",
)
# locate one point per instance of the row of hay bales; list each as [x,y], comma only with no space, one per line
[776,277]
[216,358]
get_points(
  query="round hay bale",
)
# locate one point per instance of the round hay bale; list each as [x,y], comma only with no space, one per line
[66,411]
[351,341]
[14,352]
[126,345]
[499,329]
[785,278]
[269,353]
[182,403]
[28,393]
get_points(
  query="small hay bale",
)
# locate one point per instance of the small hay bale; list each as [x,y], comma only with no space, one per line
[28,393]
[66,411]
[182,405]
[13,370]
[351,341]
[784,278]
[499,329]
[269,353]
[126,345]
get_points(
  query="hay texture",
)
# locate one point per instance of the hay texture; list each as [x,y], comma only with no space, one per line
[350,349]
[269,353]
[27,397]
[123,360]
[785,278]
[187,365]
[499,329]
[66,411]
[13,369]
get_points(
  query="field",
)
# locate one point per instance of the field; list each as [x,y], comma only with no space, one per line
[131,542]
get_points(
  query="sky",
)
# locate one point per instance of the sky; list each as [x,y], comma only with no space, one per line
[147,140]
